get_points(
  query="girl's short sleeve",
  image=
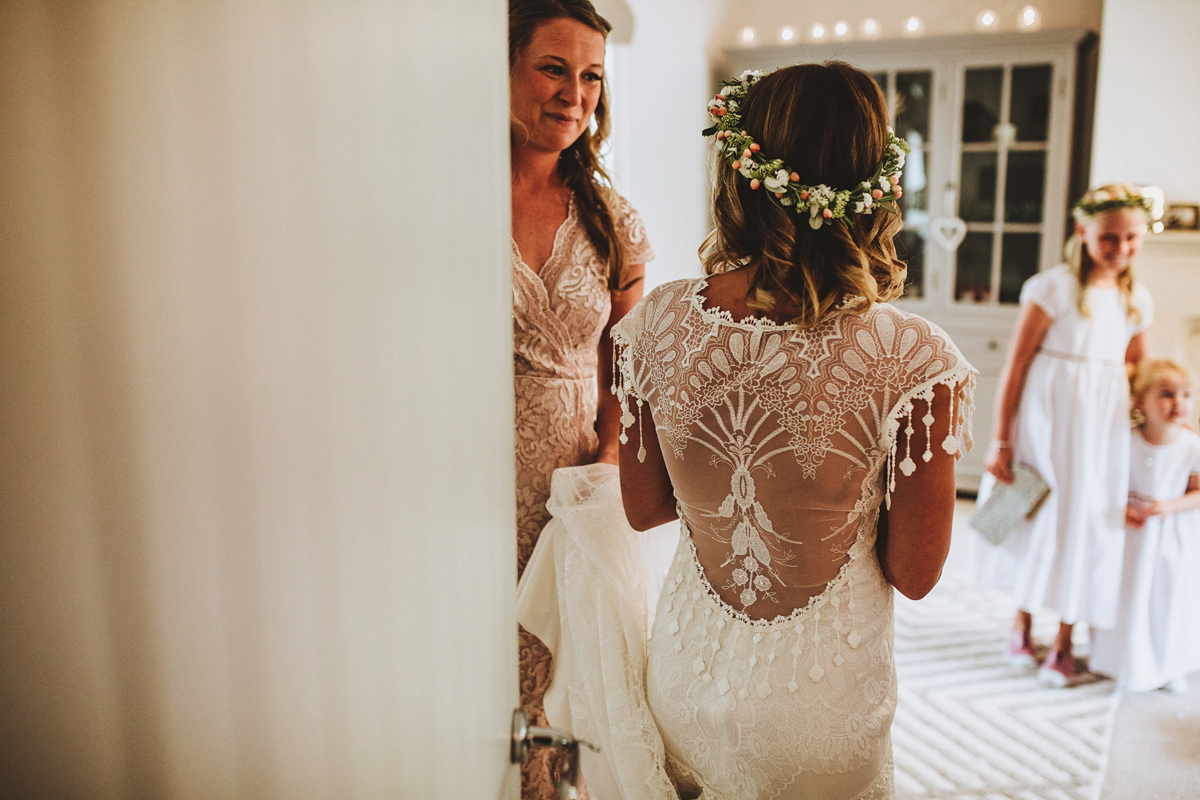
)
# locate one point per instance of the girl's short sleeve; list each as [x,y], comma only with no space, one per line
[1046,290]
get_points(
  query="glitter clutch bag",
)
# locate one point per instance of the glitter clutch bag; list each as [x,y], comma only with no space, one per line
[1010,504]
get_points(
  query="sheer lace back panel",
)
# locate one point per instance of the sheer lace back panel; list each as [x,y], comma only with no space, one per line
[779,440]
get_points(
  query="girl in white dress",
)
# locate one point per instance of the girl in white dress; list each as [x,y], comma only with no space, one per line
[1063,408]
[773,407]
[1156,642]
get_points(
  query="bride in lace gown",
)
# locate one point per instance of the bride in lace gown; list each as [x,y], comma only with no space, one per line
[578,255]
[778,407]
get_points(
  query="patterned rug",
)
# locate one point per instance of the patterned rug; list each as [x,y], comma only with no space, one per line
[970,727]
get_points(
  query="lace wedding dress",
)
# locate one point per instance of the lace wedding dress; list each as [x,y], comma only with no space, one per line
[770,671]
[559,314]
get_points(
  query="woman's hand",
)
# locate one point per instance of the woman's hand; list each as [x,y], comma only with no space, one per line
[999,461]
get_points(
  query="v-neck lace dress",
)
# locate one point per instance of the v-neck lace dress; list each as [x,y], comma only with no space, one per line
[559,314]
[770,671]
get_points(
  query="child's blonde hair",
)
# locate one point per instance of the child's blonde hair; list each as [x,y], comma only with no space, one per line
[1149,372]
[1080,261]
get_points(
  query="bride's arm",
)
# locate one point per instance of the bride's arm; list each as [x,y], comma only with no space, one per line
[646,489]
[917,531]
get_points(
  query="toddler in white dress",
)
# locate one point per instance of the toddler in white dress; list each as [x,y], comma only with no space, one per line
[1156,641]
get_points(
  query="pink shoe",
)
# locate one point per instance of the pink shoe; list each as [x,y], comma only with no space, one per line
[1057,671]
[1020,652]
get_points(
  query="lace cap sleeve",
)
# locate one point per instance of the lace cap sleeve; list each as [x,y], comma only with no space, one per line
[625,385]
[937,363]
[642,341]
[631,232]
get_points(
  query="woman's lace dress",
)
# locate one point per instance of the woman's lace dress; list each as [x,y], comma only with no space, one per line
[770,670]
[559,315]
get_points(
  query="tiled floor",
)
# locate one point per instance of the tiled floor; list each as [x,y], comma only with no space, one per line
[1155,750]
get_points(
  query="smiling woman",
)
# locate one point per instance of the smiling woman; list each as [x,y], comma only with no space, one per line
[578,256]
[556,85]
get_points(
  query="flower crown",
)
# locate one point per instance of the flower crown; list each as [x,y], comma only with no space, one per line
[821,202]
[1102,200]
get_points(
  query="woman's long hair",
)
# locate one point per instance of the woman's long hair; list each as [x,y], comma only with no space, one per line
[828,122]
[578,165]
[1076,254]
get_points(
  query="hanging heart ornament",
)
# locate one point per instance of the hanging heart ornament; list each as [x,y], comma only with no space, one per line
[948,232]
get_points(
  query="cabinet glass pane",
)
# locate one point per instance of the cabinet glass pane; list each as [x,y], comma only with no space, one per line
[914,203]
[910,246]
[1030,111]
[1023,186]
[913,90]
[978,201]
[1018,260]
[981,104]
[973,275]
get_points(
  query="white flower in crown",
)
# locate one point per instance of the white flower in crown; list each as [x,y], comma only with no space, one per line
[820,195]
[777,182]
[747,168]
[725,90]
[756,74]
[1101,196]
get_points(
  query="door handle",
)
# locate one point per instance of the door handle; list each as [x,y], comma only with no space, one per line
[525,737]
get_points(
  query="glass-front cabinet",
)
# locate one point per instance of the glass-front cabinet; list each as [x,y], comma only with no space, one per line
[989,121]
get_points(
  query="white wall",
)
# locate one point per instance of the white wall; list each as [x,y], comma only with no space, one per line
[256,476]
[1147,113]
[660,84]
[1147,118]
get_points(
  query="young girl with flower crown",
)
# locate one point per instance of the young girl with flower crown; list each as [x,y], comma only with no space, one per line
[1156,642]
[1062,408]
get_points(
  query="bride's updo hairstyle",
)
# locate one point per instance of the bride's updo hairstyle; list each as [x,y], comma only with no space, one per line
[829,124]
